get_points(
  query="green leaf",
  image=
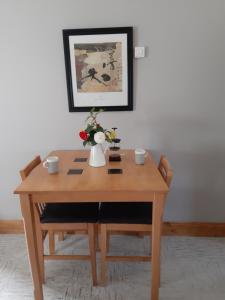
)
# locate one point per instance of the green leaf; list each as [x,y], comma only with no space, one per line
[99,128]
[91,137]
[89,128]
[85,143]
[93,143]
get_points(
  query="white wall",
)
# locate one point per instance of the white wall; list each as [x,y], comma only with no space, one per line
[178,92]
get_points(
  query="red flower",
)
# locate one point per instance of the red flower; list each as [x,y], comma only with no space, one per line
[83,135]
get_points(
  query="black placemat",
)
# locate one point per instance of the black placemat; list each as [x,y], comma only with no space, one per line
[80,159]
[75,172]
[115,171]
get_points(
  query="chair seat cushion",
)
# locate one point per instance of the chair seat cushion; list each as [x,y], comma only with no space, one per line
[70,213]
[126,213]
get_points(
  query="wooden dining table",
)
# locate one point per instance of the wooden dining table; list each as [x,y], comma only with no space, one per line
[135,183]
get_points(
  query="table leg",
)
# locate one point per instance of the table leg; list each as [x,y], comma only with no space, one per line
[29,227]
[158,204]
[92,249]
[40,242]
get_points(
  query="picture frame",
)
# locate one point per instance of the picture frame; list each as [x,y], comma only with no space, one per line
[99,68]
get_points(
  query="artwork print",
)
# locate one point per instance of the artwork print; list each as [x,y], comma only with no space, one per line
[98,67]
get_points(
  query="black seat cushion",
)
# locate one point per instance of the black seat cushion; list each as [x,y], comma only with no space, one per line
[70,213]
[126,213]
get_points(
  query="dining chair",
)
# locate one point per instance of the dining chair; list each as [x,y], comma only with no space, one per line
[127,217]
[24,174]
[51,235]
[63,217]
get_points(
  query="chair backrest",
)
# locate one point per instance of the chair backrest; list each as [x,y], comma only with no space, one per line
[165,170]
[34,163]
[27,170]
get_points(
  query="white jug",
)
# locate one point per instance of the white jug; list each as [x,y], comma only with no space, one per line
[97,156]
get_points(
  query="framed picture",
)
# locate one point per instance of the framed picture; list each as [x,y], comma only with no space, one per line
[99,68]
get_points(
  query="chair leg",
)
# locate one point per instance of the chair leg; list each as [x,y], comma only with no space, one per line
[41,255]
[61,236]
[108,242]
[51,242]
[97,247]
[40,245]
[160,280]
[103,247]
[92,247]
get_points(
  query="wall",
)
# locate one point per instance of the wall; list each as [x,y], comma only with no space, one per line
[178,92]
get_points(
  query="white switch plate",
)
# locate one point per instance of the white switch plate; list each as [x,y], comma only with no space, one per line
[139,52]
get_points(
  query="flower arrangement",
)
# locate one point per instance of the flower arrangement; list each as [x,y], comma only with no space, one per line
[94,133]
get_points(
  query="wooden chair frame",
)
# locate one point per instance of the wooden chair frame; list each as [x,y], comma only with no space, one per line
[87,228]
[141,229]
[51,228]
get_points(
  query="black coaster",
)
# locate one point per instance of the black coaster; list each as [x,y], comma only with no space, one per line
[75,172]
[114,157]
[115,171]
[80,159]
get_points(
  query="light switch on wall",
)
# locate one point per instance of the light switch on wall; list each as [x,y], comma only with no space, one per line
[139,52]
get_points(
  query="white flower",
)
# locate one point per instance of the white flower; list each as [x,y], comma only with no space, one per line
[99,137]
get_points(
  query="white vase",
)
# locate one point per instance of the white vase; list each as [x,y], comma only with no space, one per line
[97,156]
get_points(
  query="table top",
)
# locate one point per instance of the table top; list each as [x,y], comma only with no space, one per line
[134,178]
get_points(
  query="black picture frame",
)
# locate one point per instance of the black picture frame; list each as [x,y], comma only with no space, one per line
[127,104]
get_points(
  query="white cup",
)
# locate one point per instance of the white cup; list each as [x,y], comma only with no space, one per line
[140,155]
[52,164]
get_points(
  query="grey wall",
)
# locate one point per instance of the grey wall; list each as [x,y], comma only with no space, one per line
[178,92]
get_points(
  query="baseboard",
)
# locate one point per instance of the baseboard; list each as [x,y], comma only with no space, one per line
[169,228]
[194,229]
[11,226]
